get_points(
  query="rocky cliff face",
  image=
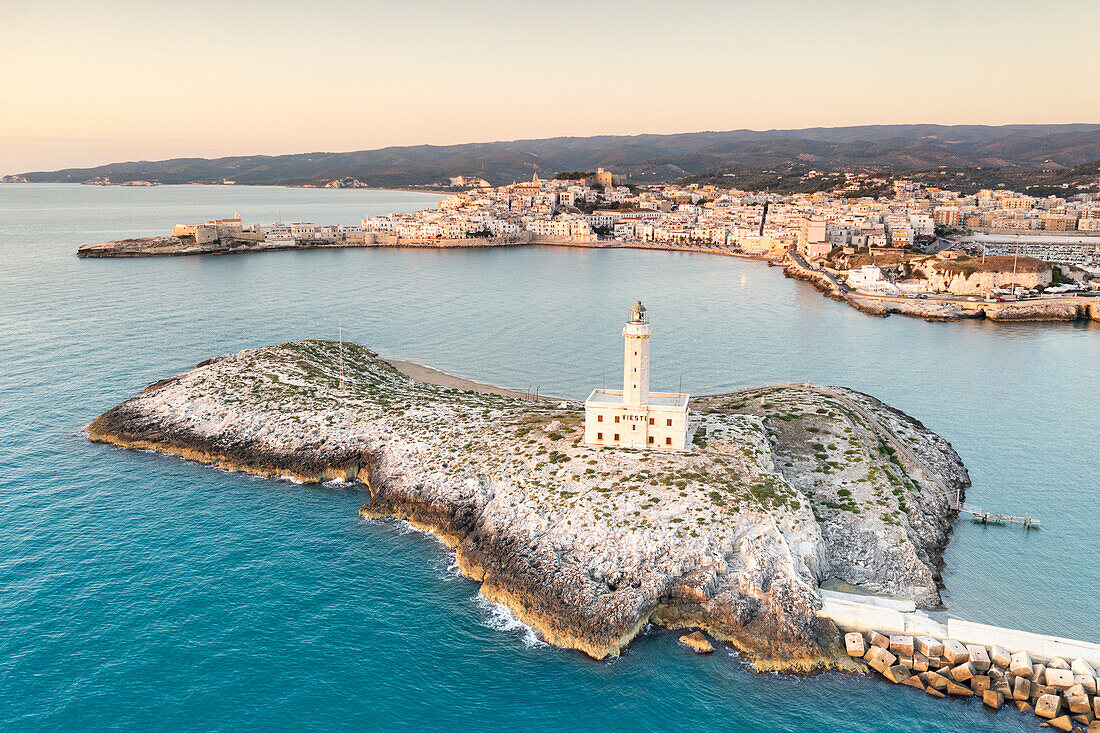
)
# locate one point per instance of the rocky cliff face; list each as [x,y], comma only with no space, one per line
[169,246]
[589,545]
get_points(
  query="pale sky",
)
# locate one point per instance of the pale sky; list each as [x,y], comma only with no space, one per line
[84,83]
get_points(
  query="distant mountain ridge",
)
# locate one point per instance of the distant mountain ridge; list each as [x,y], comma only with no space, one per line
[644,158]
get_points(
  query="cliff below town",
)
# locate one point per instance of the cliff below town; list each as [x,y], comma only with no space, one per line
[949,309]
[783,488]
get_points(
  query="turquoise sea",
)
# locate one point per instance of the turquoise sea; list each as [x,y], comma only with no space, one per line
[140,592]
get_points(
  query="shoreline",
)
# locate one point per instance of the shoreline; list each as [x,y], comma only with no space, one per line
[1065,309]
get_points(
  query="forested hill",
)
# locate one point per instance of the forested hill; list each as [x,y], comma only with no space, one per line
[717,156]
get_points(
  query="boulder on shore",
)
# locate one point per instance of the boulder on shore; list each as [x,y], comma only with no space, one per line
[697,642]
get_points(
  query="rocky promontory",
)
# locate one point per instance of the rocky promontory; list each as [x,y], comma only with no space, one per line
[170,246]
[782,489]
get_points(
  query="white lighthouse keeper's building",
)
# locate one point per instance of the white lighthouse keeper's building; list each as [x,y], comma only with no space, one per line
[634,417]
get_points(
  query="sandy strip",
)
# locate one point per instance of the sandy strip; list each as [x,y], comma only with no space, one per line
[426,374]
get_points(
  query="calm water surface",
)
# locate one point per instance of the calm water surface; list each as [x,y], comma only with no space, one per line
[139,591]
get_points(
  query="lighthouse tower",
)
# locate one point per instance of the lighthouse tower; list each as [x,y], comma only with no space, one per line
[636,333]
[634,417]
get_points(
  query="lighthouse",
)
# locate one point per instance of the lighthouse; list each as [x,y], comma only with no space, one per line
[636,333]
[634,417]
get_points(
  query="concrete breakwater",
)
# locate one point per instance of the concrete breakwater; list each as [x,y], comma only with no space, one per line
[1053,677]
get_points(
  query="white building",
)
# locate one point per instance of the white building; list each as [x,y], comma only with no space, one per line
[634,417]
[864,277]
[869,280]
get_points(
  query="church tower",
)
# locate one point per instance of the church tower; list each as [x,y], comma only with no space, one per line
[636,332]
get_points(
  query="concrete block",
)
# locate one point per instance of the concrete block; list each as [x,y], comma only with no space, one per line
[1062,723]
[979,683]
[1023,706]
[1096,706]
[1094,727]
[1021,690]
[1048,706]
[1039,672]
[934,679]
[1087,681]
[954,653]
[907,661]
[901,645]
[1002,687]
[1000,657]
[928,646]
[1058,663]
[1078,700]
[979,657]
[996,673]
[920,662]
[1081,666]
[876,639]
[897,674]
[1081,719]
[881,660]
[1020,665]
[1059,679]
[853,642]
[1038,690]
[993,699]
[913,682]
[959,690]
[963,672]
[944,670]
[933,692]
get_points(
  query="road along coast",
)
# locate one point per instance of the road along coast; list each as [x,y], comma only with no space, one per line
[782,488]
[954,309]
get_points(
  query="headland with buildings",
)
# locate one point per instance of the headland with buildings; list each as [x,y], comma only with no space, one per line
[922,251]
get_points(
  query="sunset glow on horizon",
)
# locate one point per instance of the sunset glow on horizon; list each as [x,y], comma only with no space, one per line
[87,84]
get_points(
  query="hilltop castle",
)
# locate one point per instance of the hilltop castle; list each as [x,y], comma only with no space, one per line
[634,417]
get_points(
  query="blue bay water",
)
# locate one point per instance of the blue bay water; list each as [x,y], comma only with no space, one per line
[139,591]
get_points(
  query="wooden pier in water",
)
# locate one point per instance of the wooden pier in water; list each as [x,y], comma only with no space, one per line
[986,517]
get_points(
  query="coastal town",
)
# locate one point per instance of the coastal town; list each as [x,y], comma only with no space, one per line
[917,250]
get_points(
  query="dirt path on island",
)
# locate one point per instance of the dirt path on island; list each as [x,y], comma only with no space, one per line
[421,373]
